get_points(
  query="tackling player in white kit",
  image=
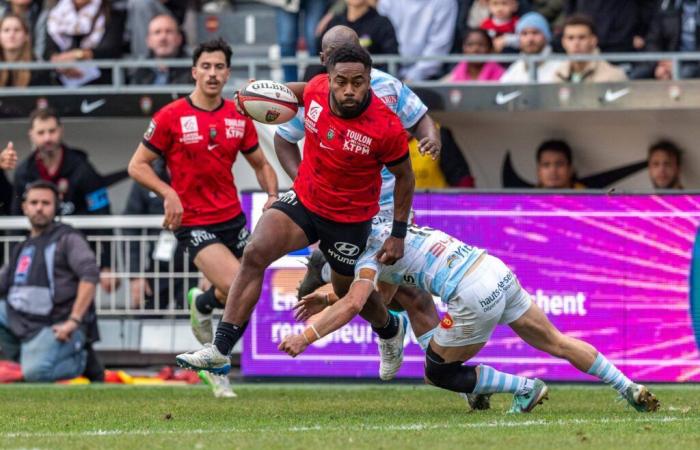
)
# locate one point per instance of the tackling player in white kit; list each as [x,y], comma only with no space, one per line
[480,292]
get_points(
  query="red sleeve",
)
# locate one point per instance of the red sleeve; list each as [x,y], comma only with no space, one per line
[250,137]
[313,85]
[157,137]
[395,145]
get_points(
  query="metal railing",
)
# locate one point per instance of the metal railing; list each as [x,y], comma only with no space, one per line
[169,280]
[252,67]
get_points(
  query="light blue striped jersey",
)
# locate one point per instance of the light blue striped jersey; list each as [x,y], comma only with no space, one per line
[433,261]
[398,97]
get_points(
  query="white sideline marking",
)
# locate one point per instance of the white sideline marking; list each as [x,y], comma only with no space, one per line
[404,427]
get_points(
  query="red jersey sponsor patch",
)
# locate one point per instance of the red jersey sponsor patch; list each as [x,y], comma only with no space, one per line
[339,176]
[200,148]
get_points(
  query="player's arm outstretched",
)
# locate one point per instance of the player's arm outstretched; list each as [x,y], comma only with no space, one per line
[298,88]
[392,250]
[267,178]
[142,172]
[332,317]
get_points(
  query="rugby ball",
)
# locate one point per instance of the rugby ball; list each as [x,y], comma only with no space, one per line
[268,102]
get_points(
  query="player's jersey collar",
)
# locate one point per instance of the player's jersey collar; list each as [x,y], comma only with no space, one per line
[221,105]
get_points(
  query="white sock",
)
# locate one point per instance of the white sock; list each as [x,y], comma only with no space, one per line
[609,374]
[491,381]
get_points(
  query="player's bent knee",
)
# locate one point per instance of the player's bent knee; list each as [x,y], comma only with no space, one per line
[255,256]
[453,376]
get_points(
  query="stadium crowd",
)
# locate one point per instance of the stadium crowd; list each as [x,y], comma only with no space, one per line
[81,31]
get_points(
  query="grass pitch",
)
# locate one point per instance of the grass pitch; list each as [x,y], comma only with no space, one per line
[309,416]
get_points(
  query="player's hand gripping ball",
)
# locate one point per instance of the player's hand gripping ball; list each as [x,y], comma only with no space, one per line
[268,102]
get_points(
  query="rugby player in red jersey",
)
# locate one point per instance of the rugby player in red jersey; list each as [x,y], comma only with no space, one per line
[350,136]
[199,137]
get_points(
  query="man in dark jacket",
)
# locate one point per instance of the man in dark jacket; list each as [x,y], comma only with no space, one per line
[81,188]
[618,22]
[673,28]
[47,316]
[164,42]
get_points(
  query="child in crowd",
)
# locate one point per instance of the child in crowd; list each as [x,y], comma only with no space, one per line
[501,24]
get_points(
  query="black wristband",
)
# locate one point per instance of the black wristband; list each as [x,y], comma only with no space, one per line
[398,229]
[76,320]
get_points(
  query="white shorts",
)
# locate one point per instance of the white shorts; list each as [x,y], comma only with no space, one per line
[488,296]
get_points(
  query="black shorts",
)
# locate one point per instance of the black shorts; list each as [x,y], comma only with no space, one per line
[341,243]
[232,233]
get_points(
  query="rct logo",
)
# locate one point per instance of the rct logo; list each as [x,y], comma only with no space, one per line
[347,249]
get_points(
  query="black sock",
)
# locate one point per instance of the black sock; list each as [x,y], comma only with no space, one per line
[227,334]
[390,328]
[206,302]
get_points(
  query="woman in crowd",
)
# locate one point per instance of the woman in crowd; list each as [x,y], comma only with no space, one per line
[80,31]
[476,42]
[16,46]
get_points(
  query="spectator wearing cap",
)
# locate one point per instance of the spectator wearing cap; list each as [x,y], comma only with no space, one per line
[534,37]
[664,164]
[580,38]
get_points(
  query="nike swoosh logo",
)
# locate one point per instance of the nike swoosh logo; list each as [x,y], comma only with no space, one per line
[212,147]
[612,96]
[502,99]
[88,107]
[325,146]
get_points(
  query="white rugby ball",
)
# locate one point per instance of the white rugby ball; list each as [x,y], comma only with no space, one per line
[268,102]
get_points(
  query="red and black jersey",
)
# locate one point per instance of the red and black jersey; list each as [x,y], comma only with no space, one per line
[200,148]
[339,176]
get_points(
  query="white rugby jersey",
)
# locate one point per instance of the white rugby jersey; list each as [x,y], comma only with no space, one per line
[398,97]
[433,260]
